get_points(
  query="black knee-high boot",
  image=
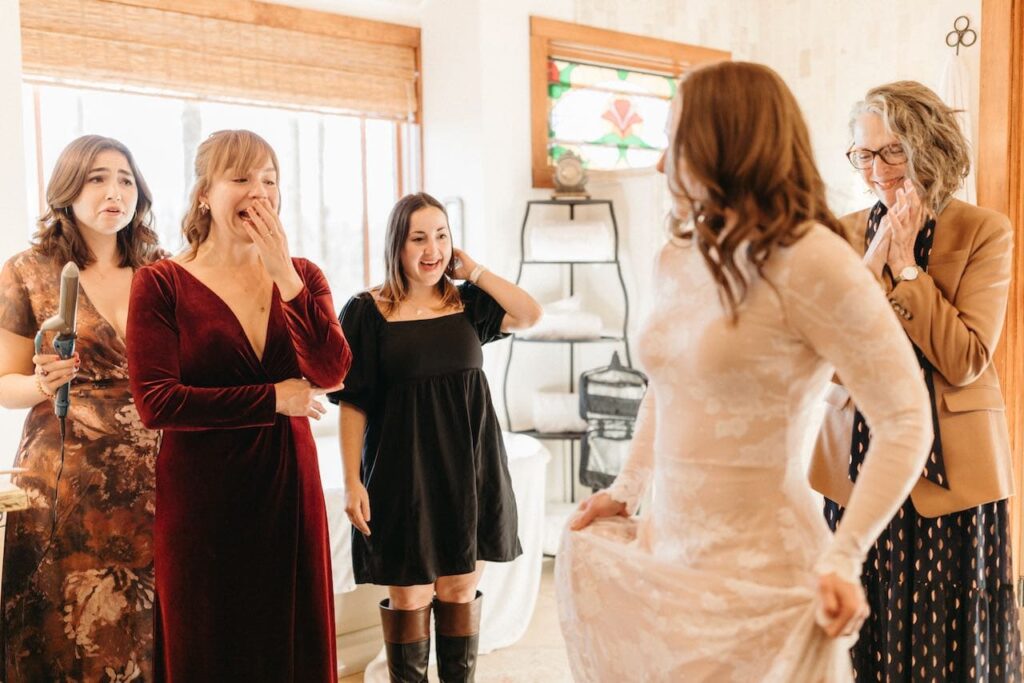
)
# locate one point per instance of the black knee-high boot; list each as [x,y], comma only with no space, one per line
[457,627]
[407,642]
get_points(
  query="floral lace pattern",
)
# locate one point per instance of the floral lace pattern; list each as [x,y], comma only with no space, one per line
[716,580]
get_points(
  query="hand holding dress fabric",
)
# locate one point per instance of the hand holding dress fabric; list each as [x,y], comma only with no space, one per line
[843,607]
[598,505]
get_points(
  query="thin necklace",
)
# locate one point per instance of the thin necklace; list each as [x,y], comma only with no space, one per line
[420,310]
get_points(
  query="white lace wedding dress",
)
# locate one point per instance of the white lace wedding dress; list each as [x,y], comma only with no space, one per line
[716,580]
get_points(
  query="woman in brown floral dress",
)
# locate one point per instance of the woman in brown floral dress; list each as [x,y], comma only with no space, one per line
[78,596]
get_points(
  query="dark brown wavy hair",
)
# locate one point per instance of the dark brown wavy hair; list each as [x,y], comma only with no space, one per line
[223,150]
[395,288]
[57,233]
[740,138]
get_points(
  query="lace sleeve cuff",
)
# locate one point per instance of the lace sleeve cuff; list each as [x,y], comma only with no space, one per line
[629,488]
[840,562]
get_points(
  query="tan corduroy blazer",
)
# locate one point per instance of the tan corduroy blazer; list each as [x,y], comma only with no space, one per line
[954,313]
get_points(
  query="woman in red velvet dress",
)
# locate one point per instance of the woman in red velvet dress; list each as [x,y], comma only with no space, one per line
[229,344]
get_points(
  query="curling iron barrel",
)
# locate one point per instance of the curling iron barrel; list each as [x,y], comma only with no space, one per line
[63,324]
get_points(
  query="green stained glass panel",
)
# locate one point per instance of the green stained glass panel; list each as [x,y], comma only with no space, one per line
[613,118]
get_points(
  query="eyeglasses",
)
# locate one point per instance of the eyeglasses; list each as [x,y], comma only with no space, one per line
[862,158]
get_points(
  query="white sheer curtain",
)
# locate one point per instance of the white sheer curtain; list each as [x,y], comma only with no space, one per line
[956,91]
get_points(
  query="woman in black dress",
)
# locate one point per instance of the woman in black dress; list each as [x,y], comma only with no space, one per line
[426,476]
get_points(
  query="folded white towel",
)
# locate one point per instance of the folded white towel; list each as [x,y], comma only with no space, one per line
[557,412]
[563,319]
[571,241]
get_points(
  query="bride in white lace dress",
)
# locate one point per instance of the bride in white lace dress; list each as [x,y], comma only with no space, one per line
[730,573]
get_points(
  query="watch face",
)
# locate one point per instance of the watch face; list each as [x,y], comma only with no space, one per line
[909,273]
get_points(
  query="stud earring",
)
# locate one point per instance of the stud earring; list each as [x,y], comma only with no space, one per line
[204,207]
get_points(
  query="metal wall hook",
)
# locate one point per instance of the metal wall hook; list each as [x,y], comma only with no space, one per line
[962,34]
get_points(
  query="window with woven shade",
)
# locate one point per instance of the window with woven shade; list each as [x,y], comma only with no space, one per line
[337,97]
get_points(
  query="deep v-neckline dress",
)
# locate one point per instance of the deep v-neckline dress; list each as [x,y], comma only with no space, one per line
[87,612]
[243,572]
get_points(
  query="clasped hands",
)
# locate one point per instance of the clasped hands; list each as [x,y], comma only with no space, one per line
[897,232]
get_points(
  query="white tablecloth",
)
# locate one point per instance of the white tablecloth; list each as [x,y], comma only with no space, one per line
[510,588]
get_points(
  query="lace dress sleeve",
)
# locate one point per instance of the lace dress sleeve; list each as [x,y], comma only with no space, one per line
[632,482]
[832,302]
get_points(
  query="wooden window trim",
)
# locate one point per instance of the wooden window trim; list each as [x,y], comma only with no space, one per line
[366,202]
[549,37]
[1001,187]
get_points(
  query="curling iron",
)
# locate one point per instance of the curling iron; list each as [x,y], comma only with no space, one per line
[64,325]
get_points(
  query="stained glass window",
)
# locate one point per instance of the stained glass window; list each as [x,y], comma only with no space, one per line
[612,118]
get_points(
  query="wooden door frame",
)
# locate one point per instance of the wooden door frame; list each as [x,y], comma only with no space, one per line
[1001,187]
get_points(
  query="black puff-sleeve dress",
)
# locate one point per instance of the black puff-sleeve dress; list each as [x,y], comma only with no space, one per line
[433,461]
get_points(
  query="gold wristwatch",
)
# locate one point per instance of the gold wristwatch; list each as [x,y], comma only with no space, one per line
[908,273]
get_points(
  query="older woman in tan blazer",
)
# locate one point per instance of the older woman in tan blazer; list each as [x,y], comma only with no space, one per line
[939,578]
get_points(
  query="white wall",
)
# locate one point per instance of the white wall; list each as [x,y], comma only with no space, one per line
[13,206]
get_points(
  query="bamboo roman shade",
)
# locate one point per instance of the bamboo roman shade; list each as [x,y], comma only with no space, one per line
[227,49]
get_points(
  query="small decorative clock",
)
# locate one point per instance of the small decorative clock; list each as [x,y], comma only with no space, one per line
[570,177]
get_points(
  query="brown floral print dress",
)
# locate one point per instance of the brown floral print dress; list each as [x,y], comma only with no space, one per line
[86,613]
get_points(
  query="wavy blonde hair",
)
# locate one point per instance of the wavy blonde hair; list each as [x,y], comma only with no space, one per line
[223,150]
[741,138]
[938,155]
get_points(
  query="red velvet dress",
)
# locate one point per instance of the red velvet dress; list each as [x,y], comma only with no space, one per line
[243,568]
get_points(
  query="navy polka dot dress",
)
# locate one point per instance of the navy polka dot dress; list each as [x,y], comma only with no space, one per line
[941,596]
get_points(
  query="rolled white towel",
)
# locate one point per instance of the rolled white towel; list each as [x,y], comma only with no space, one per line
[571,241]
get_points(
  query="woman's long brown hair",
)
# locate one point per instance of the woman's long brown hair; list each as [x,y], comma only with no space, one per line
[396,285]
[57,233]
[742,140]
